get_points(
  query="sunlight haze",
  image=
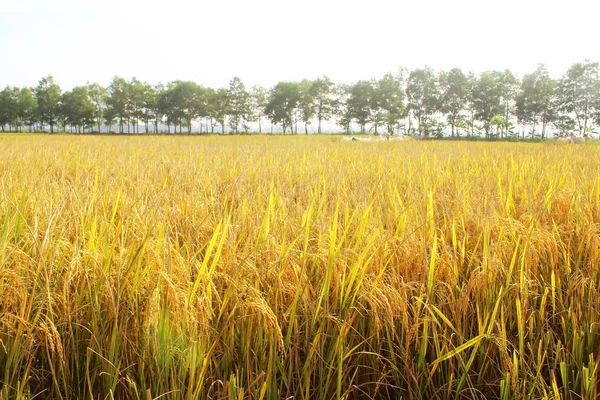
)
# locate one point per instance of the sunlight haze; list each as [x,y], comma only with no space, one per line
[267,41]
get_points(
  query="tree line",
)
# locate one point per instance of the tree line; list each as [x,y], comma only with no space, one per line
[417,102]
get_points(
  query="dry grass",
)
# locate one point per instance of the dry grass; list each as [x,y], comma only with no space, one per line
[306,268]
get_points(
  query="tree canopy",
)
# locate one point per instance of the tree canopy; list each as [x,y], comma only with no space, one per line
[418,102]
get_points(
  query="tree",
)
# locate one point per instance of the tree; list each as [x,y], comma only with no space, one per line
[218,108]
[77,107]
[423,96]
[183,102]
[137,92]
[534,100]
[9,107]
[48,95]
[27,107]
[306,104]
[341,107]
[283,100]
[508,86]
[118,100]
[238,102]
[109,118]
[258,101]
[454,92]
[188,102]
[152,110]
[487,98]
[98,96]
[389,98]
[469,108]
[4,107]
[360,102]
[577,93]
[167,107]
[322,91]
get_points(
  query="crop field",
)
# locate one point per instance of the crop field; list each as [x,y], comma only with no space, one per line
[298,268]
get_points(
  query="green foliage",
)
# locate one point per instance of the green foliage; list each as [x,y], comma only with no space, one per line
[48,96]
[453,97]
[389,98]
[341,108]
[118,99]
[415,102]
[258,102]
[98,96]
[362,96]
[306,103]
[322,91]
[78,108]
[578,93]
[423,97]
[283,101]
[10,107]
[487,98]
[534,101]
[238,104]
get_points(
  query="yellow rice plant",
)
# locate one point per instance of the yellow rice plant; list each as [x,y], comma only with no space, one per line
[297,267]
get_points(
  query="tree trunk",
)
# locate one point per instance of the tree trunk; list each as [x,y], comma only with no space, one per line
[319,129]
[543,128]
[305,128]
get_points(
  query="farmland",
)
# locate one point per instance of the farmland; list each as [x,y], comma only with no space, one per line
[297,267]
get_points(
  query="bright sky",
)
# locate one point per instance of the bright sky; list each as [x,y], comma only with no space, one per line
[265,41]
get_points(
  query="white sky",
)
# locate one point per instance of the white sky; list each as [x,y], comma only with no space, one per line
[265,41]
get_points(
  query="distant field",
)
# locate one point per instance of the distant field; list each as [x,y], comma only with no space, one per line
[297,267]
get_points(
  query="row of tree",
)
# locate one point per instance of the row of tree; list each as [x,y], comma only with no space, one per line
[420,102]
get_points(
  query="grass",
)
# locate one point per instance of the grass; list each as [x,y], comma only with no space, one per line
[297,267]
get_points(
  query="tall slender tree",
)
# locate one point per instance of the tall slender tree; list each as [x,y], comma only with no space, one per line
[360,103]
[487,97]
[283,101]
[98,96]
[323,94]
[423,96]
[454,91]
[577,93]
[118,100]
[238,104]
[27,107]
[258,101]
[389,98]
[48,96]
[534,100]
[77,108]
[306,104]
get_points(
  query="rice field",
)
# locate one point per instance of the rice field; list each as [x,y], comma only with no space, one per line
[297,268]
